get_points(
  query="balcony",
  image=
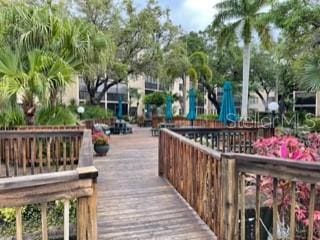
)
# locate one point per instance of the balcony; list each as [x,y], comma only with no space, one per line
[151,85]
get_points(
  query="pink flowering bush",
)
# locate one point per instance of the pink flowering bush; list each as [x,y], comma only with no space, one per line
[289,147]
[313,141]
[99,138]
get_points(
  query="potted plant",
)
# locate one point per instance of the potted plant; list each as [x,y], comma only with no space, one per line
[100,143]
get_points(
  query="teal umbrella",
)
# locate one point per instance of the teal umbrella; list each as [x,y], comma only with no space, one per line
[169,113]
[228,111]
[192,115]
[120,113]
[148,111]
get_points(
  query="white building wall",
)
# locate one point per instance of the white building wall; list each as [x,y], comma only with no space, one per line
[138,82]
[71,92]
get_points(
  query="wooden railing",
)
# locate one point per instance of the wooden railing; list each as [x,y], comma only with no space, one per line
[32,151]
[183,122]
[224,139]
[72,177]
[195,172]
[39,127]
[217,187]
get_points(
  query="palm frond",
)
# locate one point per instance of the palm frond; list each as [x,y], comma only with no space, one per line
[227,4]
[264,32]
[227,15]
[228,33]
[310,76]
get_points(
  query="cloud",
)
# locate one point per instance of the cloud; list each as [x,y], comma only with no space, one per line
[195,14]
[192,15]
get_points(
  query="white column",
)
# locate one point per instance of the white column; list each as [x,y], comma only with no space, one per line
[318,104]
[106,100]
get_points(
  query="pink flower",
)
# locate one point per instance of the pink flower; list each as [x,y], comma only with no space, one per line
[284,152]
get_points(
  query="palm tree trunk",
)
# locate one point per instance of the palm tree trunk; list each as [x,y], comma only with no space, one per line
[245,83]
[184,95]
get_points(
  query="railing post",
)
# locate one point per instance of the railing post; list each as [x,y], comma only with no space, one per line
[161,153]
[230,213]
[87,216]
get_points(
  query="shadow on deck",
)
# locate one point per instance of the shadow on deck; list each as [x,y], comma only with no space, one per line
[133,202]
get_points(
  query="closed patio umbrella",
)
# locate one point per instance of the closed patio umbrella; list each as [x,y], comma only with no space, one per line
[120,111]
[228,111]
[168,113]
[192,115]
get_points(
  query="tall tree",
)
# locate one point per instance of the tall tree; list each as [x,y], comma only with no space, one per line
[139,39]
[243,18]
[200,63]
[300,30]
[263,74]
[176,65]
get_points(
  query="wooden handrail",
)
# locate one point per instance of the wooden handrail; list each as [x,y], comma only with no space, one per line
[203,148]
[216,182]
[238,140]
[199,182]
[184,122]
[86,151]
[296,177]
[38,127]
[41,150]
[41,188]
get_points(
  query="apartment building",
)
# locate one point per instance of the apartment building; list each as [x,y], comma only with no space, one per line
[131,105]
[309,102]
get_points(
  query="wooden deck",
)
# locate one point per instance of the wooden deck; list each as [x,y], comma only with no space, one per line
[133,202]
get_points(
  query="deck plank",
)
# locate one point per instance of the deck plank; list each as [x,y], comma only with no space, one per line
[134,203]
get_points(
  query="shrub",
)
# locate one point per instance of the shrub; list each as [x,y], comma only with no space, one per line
[313,124]
[100,138]
[31,215]
[13,116]
[156,99]
[92,112]
[58,115]
[288,147]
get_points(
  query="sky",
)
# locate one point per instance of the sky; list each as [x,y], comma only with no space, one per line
[192,15]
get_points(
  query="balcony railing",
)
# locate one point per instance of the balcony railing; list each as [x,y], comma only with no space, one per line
[40,165]
[115,97]
[151,85]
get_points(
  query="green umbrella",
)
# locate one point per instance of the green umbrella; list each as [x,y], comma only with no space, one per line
[169,113]
[192,115]
[228,111]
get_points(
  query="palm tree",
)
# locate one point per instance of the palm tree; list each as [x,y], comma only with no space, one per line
[243,18]
[33,79]
[200,64]
[39,55]
[177,64]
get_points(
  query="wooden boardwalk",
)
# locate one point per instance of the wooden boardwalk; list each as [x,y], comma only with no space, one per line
[133,202]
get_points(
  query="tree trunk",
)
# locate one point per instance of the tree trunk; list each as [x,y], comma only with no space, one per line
[267,102]
[213,99]
[184,95]
[29,109]
[264,101]
[245,82]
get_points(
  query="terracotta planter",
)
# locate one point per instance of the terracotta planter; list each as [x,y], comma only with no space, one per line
[101,150]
